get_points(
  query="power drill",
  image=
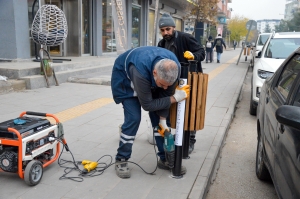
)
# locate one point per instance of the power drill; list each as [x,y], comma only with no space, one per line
[169,148]
[88,165]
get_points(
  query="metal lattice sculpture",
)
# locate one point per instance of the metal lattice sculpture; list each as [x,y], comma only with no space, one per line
[49,26]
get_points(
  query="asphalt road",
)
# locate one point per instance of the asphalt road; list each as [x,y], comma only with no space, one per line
[236,176]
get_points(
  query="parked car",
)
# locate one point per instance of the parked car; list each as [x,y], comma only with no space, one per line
[278,129]
[277,48]
[111,44]
[258,45]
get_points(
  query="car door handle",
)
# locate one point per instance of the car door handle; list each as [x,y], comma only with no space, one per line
[281,128]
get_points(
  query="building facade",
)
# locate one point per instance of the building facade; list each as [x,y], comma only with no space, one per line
[223,14]
[90,26]
[291,7]
[262,24]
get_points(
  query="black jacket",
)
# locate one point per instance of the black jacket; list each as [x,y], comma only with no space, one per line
[182,42]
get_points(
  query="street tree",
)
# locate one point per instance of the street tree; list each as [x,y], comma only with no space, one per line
[294,23]
[267,28]
[237,27]
[203,11]
[282,27]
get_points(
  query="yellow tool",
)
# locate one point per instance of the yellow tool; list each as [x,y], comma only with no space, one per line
[88,165]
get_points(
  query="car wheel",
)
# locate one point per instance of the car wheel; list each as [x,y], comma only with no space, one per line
[253,108]
[262,172]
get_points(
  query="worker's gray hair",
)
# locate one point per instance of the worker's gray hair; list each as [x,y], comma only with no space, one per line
[167,70]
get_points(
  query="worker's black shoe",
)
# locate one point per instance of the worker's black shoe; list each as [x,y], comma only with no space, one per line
[164,165]
[122,169]
[218,61]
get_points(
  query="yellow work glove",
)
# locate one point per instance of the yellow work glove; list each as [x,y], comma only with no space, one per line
[181,93]
[188,55]
[163,127]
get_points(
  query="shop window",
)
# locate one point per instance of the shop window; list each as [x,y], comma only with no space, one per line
[108,36]
[136,20]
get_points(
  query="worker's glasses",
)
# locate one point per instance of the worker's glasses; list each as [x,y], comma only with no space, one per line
[165,29]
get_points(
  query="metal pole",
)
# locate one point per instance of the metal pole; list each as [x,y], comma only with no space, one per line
[156,12]
[245,42]
[176,171]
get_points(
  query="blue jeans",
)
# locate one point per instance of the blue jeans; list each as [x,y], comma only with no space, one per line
[132,119]
[218,56]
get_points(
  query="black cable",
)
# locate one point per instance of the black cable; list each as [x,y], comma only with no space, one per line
[97,171]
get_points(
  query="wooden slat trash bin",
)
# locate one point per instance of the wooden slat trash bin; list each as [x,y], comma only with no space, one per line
[195,103]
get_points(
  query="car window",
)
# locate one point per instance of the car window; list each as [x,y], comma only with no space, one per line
[288,76]
[281,48]
[262,39]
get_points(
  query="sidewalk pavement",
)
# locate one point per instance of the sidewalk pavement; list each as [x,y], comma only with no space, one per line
[91,118]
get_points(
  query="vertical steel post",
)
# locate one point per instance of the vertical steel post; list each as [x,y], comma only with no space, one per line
[176,171]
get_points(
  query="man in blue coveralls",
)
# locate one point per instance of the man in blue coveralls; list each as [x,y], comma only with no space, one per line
[145,77]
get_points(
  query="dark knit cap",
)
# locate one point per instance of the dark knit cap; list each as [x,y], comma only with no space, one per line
[166,20]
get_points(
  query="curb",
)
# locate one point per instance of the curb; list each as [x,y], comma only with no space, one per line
[201,186]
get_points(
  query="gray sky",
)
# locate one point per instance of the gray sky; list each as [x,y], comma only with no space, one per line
[258,9]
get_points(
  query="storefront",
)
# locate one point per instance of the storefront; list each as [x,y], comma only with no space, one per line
[91,26]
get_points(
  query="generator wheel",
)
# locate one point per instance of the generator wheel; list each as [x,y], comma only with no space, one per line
[33,172]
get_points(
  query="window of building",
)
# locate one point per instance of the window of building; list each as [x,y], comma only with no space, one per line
[136,26]
[108,36]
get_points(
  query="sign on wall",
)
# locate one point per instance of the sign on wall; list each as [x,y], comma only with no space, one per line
[120,24]
[222,20]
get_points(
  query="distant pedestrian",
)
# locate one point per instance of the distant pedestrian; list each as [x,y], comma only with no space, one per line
[219,43]
[234,44]
[209,49]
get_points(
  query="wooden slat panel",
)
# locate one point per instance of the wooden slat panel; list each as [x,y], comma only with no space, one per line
[199,101]
[204,95]
[194,100]
[187,106]
[173,113]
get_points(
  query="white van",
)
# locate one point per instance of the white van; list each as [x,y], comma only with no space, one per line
[259,44]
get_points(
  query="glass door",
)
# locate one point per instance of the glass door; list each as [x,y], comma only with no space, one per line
[136,30]
[108,36]
[86,28]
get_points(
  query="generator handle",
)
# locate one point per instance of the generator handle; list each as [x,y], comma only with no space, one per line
[36,113]
[40,114]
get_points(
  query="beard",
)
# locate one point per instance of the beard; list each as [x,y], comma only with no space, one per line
[168,36]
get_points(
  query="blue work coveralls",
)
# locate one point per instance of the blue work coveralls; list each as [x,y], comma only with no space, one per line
[123,90]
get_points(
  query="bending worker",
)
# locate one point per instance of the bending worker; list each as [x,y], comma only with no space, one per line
[185,47]
[144,77]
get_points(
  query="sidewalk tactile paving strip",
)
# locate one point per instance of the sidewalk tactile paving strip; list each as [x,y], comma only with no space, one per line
[82,109]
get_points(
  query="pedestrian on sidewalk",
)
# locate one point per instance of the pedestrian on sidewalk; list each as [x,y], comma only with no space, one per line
[145,77]
[234,44]
[185,47]
[209,49]
[219,43]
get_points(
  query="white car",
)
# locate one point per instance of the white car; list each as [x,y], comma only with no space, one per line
[277,48]
[111,45]
[259,44]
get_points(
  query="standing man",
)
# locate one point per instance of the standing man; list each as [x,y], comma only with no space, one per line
[144,77]
[185,47]
[219,43]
